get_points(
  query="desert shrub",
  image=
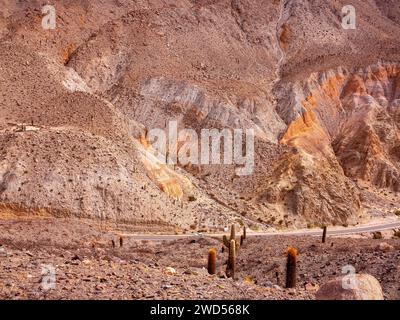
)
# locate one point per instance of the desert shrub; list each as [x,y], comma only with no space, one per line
[377,235]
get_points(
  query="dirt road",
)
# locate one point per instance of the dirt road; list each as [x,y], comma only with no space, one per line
[313,232]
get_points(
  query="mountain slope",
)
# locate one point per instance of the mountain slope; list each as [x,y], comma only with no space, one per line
[77,101]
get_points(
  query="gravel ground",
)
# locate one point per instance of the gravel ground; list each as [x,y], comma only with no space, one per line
[87,265]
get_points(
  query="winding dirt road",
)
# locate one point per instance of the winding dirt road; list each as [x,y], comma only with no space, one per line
[313,232]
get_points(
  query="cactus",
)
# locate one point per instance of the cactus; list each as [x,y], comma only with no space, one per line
[324,235]
[291,273]
[237,245]
[233,247]
[113,243]
[121,241]
[243,236]
[233,233]
[212,261]
[225,241]
[231,266]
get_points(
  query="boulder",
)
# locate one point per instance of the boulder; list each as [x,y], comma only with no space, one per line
[351,287]
[311,287]
[170,271]
[385,247]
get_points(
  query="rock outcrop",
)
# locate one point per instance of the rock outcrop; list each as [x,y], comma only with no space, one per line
[76,104]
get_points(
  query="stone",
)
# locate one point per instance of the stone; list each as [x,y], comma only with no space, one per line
[191,272]
[170,271]
[351,287]
[384,246]
[312,287]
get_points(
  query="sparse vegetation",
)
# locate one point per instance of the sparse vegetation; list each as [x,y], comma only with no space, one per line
[212,261]
[226,242]
[233,247]
[377,235]
[231,265]
[291,266]
[233,232]
[182,260]
[99,177]
[324,234]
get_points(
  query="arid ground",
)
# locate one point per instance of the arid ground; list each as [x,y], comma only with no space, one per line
[88,266]
[78,166]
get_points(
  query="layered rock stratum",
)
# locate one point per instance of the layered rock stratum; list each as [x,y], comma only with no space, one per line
[76,103]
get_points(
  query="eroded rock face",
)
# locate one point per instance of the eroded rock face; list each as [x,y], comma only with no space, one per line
[326,118]
[347,129]
[358,287]
[368,144]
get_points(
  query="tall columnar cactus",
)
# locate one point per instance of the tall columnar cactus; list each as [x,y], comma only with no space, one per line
[225,241]
[121,241]
[243,236]
[291,272]
[212,261]
[324,234]
[233,232]
[231,266]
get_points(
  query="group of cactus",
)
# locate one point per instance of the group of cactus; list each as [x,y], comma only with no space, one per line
[233,246]
[121,242]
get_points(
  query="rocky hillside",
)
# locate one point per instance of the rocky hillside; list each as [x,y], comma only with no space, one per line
[77,101]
